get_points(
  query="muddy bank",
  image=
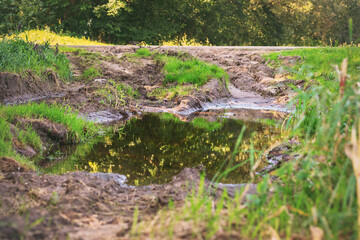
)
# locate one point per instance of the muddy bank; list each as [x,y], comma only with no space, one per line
[86,206]
[252,83]
[15,88]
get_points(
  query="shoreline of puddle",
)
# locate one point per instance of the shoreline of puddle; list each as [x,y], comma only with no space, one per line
[229,107]
[212,114]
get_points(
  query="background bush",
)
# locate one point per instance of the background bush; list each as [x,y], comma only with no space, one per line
[218,22]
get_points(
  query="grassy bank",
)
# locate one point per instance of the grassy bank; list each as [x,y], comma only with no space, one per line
[25,135]
[23,57]
[311,197]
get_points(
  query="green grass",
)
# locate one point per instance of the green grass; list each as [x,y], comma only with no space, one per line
[169,117]
[318,64]
[189,70]
[19,56]
[79,129]
[88,62]
[5,138]
[143,52]
[28,136]
[90,73]
[115,93]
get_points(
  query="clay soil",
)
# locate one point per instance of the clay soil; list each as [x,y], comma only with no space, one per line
[83,205]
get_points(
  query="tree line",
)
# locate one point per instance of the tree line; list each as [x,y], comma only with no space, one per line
[218,22]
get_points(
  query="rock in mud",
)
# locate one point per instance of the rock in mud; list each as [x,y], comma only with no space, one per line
[105,117]
[214,89]
[26,151]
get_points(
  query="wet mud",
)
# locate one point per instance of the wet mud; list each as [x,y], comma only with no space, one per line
[83,205]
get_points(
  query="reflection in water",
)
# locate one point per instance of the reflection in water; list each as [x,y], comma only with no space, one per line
[156,147]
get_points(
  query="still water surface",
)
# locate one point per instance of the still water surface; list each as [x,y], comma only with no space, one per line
[154,148]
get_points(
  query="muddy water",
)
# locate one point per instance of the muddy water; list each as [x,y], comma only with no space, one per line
[154,148]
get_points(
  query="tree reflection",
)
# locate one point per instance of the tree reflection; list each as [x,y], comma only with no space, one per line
[155,148]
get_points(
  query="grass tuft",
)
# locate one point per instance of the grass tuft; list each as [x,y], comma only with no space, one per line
[143,52]
[189,70]
[79,129]
[20,56]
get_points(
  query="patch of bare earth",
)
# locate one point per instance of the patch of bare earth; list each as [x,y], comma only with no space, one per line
[83,205]
[15,88]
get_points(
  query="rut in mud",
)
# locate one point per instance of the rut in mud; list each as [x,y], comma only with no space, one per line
[85,205]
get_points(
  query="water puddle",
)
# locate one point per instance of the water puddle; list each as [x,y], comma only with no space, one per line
[155,147]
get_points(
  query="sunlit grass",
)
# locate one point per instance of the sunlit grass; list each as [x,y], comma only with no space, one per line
[143,52]
[190,70]
[184,41]
[42,36]
[183,69]
[79,129]
[318,63]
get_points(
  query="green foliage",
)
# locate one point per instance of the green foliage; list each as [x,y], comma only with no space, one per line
[316,189]
[78,127]
[321,179]
[19,56]
[189,70]
[5,138]
[318,64]
[143,52]
[220,22]
[171,92]
[89,62]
